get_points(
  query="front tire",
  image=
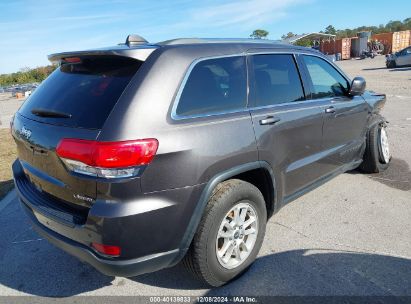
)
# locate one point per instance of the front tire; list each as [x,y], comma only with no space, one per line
[377,154]
[230,233]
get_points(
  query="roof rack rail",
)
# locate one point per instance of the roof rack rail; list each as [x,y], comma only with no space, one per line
[135,39]
[215,40]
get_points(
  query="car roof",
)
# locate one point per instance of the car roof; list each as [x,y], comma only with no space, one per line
[142,49]
[240,43]
[185,41]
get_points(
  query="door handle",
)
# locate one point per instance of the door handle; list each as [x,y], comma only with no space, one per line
[269,120]
[330,110]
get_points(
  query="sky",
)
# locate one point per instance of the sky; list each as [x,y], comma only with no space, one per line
[30,30]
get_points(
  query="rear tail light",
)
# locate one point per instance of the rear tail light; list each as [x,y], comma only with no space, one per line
[106,159]
[107,249]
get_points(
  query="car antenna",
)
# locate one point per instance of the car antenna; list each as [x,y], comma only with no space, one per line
[135,39]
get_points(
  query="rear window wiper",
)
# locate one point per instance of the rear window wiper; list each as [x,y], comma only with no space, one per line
[50,113]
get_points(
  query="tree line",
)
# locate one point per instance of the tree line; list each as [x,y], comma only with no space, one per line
[27,75]
[391,26]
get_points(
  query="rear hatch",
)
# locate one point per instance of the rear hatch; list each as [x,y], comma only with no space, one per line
[73,102]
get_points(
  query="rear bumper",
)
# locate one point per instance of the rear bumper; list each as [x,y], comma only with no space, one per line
[145,245]
[123,268]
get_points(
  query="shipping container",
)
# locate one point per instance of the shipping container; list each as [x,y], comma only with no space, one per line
[342,46]
[394,42]
[358,45]
[385,39]
[401,40]
[364,35]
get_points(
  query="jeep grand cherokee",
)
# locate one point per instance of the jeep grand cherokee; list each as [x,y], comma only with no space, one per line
[135,157]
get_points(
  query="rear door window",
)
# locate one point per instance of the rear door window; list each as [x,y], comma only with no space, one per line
[326,80]
[214,86]
[85,89]
[276,80]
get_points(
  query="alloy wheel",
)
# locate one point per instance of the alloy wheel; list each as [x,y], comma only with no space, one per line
[237,235]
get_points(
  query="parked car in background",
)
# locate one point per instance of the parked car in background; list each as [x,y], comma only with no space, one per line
[135,157]
[25,90]
[16,90]
[401,58]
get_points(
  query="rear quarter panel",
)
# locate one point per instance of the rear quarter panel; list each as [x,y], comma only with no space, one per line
[191,151]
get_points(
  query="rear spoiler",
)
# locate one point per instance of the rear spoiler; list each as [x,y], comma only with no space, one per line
[140,53]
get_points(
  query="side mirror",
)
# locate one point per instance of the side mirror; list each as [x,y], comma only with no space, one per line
[357,86]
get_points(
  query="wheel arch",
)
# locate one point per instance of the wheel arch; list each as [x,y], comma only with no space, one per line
[239,172]
[263,180]
[376,118]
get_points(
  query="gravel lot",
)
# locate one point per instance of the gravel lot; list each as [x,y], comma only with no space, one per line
[349,237]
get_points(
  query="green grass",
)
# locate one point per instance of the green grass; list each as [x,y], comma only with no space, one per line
[7,156]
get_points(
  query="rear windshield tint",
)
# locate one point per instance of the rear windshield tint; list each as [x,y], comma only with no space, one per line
[86,91]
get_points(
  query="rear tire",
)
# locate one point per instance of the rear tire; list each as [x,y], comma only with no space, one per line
[233,201]
[376,156]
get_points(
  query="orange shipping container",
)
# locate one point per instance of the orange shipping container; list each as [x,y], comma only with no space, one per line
[400,40]
[395,41]
[385,39]
[342,46]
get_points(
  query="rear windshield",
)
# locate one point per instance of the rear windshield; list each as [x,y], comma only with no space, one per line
[83,92]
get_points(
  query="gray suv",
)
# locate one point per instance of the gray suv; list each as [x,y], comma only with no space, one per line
[136,157]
